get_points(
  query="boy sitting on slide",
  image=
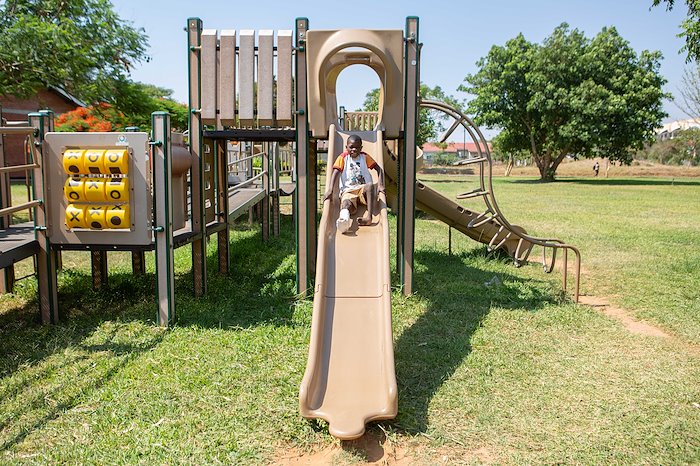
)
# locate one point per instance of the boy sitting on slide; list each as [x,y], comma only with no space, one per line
[352,169]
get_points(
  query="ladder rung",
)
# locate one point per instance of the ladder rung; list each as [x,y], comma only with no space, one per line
[471,161]
[470,194]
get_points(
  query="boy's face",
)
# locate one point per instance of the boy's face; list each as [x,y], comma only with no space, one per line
[354,148]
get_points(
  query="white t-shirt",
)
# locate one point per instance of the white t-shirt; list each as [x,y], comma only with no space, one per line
[354,172]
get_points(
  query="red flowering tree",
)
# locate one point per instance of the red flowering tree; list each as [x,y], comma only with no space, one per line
[95,118]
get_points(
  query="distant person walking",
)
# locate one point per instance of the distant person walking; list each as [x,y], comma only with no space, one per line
[596,168]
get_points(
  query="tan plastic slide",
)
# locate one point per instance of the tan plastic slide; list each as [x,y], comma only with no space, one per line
[350,377]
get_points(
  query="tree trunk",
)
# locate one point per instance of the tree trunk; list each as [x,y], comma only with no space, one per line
[548,165]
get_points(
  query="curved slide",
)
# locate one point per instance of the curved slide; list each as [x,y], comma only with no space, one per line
[458,217]
[350,377]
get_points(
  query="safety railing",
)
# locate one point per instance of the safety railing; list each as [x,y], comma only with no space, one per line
[360,121]
[32,157]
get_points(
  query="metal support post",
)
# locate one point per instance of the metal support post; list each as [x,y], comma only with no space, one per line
[301,194]
[46,263]
[407,168]
[223,249]
[198,221]
[163,214]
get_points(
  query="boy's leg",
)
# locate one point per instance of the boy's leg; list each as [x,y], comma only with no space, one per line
[369,198]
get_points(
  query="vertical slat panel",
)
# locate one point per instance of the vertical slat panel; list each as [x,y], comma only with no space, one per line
[227,77]
[246,77]
[266,39]
[284,78]
[208,76]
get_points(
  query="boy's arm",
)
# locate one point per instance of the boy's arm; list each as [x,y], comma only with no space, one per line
[332,184]
[380,179]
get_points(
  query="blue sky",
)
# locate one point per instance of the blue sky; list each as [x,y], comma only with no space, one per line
[455,34]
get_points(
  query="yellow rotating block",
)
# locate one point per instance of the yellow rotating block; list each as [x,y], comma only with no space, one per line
[95,190]
[75,216]
[96,217]
[117,190]
[94,161]
[74,189]
[73,161]
[116,162]
[118,216]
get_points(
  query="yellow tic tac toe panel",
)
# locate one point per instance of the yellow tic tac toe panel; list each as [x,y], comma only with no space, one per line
[73,161]
[93,161]
[117,190]
[118,216]
[75,216]
[96,217]
[94,189]
[116,162]
[74,189]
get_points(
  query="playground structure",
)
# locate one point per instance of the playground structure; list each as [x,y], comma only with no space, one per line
[247,102]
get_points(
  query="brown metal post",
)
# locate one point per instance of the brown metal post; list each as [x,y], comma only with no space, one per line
[199,251]
[98,260]
[46,264]
[138,262]
[408,166]
[223,249]
[266,186]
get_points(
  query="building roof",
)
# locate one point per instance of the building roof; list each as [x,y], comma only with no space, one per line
[453,147]
[68,97]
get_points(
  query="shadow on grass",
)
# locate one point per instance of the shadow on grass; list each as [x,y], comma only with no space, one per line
[46,370]
[618,181]
[459,298]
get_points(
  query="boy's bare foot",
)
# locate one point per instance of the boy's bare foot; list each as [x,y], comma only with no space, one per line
[364,220]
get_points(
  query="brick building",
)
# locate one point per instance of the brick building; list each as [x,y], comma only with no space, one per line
[16,109]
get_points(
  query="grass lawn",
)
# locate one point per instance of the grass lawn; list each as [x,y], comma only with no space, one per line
[504,371]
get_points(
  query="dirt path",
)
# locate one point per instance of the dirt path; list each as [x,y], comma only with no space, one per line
[629,322]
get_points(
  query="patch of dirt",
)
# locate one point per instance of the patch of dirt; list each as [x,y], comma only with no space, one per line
[370,449]
[629,322]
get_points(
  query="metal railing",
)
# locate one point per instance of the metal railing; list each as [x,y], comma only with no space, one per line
[492,213]
[32,156]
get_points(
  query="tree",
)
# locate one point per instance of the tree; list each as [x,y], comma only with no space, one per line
[569,95]
[690,92]
[690,28]
[147,99]
[431,121]
[81,46]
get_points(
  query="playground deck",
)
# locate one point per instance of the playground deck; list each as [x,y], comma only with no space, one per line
[16,243]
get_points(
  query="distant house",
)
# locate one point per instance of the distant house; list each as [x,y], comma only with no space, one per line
[16,109]
[460,149]
[671,130]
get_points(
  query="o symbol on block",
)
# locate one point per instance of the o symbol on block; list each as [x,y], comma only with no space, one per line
[74,195]
[93,157]
[115,194]
[113,158]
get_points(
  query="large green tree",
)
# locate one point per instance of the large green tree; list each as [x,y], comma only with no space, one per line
[568,95]
[80,45]
[431,121]
[690,27]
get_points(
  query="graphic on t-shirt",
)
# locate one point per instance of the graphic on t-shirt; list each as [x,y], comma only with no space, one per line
[355,177]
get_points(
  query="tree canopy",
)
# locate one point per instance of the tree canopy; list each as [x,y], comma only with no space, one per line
[81,46]
[690,27]
[568,95]
[431,121]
